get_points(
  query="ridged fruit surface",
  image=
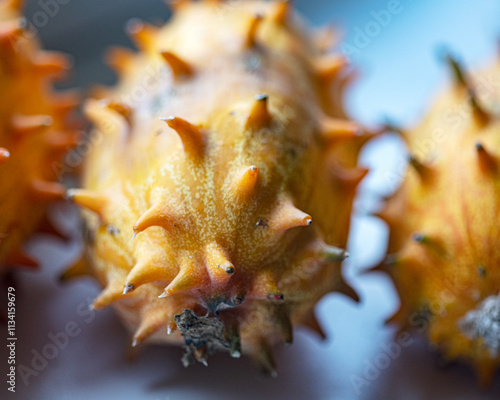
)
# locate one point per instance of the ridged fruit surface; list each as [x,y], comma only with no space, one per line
[34,134]
[218,187]
[444,223]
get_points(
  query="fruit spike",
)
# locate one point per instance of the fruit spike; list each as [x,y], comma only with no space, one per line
[463,81]
[179,67]
[142,34]
[487,162]
[283,9]
[328,68]
[28,124]
[424,172]
[191,136]
[288,216]
[244,184]
[4,154]
[221,201]
[159,215]
[444,256]
[89,200]
[333,129]
[46,191]
[251,36]
[259,116]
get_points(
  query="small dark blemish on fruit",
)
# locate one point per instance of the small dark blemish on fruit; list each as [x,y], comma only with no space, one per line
[112,230]
[262,223]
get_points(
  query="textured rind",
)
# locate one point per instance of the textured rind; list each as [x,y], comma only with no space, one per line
[444,254]
[220,207]
[34,134]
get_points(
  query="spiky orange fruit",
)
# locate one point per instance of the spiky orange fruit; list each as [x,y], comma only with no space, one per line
[444,224]
[34,133]
[216,200]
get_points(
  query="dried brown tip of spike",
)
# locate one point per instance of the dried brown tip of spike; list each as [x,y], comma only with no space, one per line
[179,67]
[288,217]
[328,68]
[4,154]
[45,191]
[333,129]
[27,124]
[259,115]
[265,360]
[282,11]
[251,35]
[487,162]
[244,185]
[190,135]
[89,200]
[424,172]
[20,258]
[142,34]
[333,254]
[78,269]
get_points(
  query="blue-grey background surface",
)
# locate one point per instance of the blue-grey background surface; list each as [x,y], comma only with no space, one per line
[400,74]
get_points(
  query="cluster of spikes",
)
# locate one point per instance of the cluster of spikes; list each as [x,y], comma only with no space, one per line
[455,263]
[221,287]
[34,134]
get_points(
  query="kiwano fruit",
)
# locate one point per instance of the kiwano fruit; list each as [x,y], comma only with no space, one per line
[34,134]
[444,225]
[218,201]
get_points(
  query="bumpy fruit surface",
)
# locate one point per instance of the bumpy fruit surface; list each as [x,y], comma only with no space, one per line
[444,222]
[33,134]
[218,198]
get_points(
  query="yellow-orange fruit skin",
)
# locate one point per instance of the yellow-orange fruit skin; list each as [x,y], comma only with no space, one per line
[217,155]
[443,221]
[34,133]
